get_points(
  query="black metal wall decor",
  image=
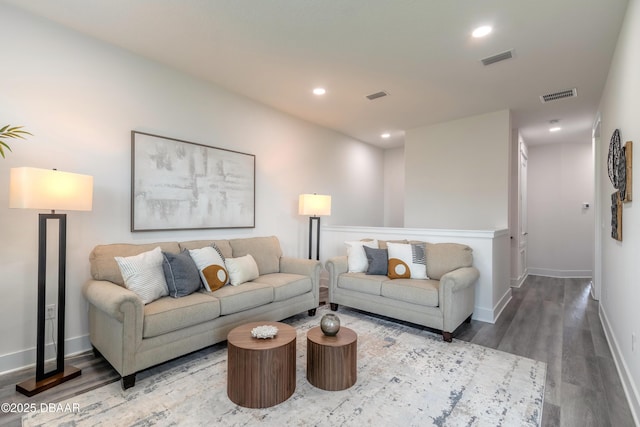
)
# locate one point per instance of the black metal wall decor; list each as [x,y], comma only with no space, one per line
[619,167]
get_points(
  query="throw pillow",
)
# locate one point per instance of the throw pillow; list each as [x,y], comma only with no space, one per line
[356,257]
[378,260]
[407,260]
[143,274]
[181,274]
[242,269]
[211,266]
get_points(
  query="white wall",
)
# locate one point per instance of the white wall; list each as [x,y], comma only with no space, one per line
[560,230]
[457,173]
[81,98]
[394,187]
[620,291]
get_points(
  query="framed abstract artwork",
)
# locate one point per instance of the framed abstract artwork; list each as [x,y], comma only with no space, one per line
[181,185]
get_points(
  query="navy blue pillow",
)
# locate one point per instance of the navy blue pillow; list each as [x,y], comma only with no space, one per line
[181,274]
[378,260]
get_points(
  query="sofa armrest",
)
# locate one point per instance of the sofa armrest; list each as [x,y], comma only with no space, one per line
[116,317]
[457,296]
[335,266]
[304,267]
[112,299]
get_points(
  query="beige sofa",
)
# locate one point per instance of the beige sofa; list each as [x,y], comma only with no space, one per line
[443,302]
[132,336]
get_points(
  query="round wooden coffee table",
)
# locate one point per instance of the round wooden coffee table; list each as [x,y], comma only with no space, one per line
[332,361]
[261,372]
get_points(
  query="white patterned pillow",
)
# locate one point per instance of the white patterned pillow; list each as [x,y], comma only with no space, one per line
[143,274]
[407,260]
[211,266]
[356,257]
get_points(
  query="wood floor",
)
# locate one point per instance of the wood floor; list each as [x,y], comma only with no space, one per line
[552,320]
[556,321]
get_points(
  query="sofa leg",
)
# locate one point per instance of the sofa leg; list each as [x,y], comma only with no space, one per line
[468,319]
[446,336]
[96,352]
[334,306]
[312,312]
[128,381]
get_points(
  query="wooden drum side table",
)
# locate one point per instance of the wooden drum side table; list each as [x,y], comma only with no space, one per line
[261,372]
[332,361]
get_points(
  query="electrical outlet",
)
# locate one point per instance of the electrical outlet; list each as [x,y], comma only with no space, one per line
[51,311]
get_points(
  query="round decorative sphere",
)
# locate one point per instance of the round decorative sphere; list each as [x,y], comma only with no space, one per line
[330,324]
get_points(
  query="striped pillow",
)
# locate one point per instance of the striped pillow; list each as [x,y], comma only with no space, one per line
[143,274]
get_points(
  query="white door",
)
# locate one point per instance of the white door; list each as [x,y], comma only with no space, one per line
[522,210]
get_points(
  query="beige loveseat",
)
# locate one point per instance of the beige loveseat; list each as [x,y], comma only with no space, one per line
[443,302]
[132,336]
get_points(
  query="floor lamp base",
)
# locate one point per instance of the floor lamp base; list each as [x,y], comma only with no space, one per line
[32,387]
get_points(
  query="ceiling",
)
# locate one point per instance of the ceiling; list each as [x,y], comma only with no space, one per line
[419,51]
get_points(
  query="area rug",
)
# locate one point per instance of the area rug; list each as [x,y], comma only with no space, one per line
[406,376]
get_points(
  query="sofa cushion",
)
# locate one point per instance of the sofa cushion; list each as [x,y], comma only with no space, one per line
[181,274]
[171,314]
[356,257]
[239,298]
[265,251]
[407,261]
[143,274]
[242,269]
[378,260]
[222,245]
[416,291]
[445,257]
[361,282]
[286,285]
[211,267]
[103,263]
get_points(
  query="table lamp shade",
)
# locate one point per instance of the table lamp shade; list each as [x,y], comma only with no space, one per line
[314,205]
[33,188]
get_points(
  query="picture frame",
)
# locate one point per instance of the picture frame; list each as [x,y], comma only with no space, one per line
[182,185]
[616,216]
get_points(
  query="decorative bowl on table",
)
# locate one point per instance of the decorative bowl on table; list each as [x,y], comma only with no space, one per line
[264,332]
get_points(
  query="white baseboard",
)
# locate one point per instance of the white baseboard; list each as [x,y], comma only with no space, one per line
[491,315]
[548,272]
[517,282]
[27,358]
[630,390]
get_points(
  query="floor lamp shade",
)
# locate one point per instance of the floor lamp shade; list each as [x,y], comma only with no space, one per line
[32,188]
[314,205]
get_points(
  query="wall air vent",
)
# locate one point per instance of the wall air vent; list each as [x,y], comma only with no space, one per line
[569,93]
[497,58]
[377,95]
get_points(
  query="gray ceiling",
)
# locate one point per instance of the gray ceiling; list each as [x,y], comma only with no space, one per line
[419,51]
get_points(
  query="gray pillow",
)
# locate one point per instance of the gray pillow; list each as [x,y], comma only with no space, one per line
[378,260]
[181,274]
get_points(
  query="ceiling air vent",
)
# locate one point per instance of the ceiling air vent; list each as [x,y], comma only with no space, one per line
[377,95]
[569,93]
[497,58]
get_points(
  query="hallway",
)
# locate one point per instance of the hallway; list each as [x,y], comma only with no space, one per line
[555,320]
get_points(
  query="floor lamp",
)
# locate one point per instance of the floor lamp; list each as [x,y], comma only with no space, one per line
[315,205]
[32,188]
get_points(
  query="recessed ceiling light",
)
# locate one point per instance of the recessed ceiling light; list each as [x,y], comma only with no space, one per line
[385,135]
[319,91]
[555,129]
[481,31]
